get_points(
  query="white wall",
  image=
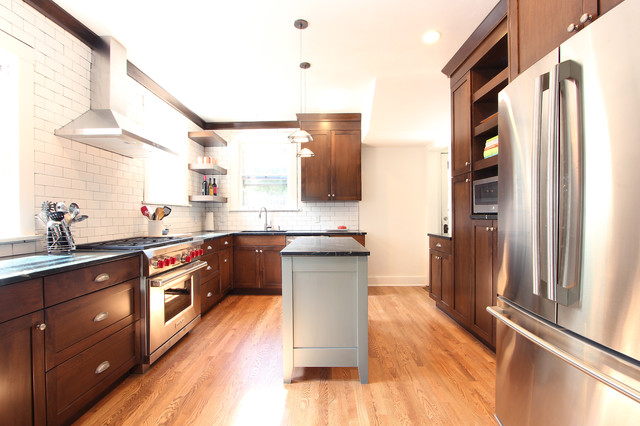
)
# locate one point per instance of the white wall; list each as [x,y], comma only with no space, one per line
[393,211]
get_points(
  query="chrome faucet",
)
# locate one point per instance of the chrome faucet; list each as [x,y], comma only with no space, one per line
[266,227]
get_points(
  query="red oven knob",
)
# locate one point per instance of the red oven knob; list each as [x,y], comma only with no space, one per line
[173,260]
[187,259]
[193,254]
[201,252]
[160,264]
[167,262]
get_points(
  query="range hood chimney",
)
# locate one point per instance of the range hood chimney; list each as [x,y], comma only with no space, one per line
[106,125]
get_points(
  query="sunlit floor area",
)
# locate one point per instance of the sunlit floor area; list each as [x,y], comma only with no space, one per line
[423,369]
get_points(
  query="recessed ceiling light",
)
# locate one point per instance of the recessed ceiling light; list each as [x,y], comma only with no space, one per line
[431,37]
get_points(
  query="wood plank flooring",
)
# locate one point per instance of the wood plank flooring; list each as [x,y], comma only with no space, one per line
[423,369]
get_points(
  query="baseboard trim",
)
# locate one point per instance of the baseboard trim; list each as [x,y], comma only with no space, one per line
[414,281]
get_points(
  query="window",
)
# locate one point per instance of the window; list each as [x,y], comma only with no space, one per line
[16,136]
[266,172]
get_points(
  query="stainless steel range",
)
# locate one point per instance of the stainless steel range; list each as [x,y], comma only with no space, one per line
[170,296]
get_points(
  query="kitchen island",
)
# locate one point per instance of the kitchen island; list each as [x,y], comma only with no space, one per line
[324,305]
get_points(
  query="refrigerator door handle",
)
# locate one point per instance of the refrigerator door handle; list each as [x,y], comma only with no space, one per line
[570,186]
[624,389]
[541,85]
[553,160]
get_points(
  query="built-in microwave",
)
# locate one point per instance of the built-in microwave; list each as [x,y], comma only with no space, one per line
[485,195]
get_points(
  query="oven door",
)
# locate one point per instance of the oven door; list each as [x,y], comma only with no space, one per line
[174,302]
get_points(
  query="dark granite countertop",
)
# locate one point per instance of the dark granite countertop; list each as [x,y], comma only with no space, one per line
[215,234]
[434,234]
[323,246]
[19,268]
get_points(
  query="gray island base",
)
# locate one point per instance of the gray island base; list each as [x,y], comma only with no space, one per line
[324,305]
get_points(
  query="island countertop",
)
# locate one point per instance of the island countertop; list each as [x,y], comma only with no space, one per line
[324,246]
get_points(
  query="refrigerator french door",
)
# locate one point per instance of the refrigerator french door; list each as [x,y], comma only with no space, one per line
[568,335]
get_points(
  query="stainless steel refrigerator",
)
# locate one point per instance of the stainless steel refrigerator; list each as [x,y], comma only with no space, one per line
[568,314]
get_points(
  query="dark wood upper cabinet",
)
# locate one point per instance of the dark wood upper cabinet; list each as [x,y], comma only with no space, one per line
[334,173]
[461,126]
[536,27]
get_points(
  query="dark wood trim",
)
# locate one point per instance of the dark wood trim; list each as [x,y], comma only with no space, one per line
[246,125]
[330,117]
[514,61]
[486,26]
[136,74]
[65,20]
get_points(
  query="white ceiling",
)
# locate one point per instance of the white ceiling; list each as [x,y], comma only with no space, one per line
[238,60]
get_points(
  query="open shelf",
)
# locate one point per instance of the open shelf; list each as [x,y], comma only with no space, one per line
[486,163]
[208,169]
[207,199]
[207,138]
[490,90]
[486,127]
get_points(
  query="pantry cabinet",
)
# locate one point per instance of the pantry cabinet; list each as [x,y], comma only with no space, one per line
[334,172]
[485,243]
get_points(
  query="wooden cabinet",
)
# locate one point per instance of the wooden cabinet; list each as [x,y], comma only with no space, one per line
[22,354]
[441,271]
[536,27]
[257,266]
[215,279]
[485,237]
[334,173]
[462,248]
[92,334]
[461,126]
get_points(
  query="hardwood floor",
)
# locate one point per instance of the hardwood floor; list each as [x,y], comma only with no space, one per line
[423,369]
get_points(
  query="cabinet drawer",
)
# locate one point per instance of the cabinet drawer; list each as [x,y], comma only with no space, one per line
[209,293]
[440,244]
[20,299]
[72,383]
[86,317]
[211,269]
[209,246]
[260,240]
[224,242]
[67,285]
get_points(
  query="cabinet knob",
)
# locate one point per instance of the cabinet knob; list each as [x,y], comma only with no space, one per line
[492,229]
[329,195]
[225,261]
[41,327]
[467,180]
[226,243]
[572,27]
[437,257]
[101,317]
[260,251]
[486,229]
[209,248]
[333,195]
[208,268]
[438,245]
[466,163]
[585,18]
[102,367]
[209,294]
[101,278]
[256,251]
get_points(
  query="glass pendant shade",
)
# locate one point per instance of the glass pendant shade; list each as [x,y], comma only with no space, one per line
[300,136]
[305,153]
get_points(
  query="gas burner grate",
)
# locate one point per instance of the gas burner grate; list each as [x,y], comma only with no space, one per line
[136,243]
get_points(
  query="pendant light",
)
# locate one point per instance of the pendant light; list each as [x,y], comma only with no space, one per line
[301,136]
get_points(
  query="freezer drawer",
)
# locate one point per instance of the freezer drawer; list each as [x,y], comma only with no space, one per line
[536,387]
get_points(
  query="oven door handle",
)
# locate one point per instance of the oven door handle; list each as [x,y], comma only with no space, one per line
[174,275]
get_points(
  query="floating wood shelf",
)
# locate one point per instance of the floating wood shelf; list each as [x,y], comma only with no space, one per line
[207,199]
[207,138]
[208,169]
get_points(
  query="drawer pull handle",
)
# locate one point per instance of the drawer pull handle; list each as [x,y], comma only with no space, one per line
[438,245]
[102,367]
[209,248]
[208,268]
[226,243]
[225,261]
[101,317]
[41,326]
[209,294]
[101,278]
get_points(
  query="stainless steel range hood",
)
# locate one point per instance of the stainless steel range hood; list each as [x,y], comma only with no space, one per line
[106,125]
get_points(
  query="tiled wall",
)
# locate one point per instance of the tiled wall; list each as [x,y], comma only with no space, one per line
[108,187]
